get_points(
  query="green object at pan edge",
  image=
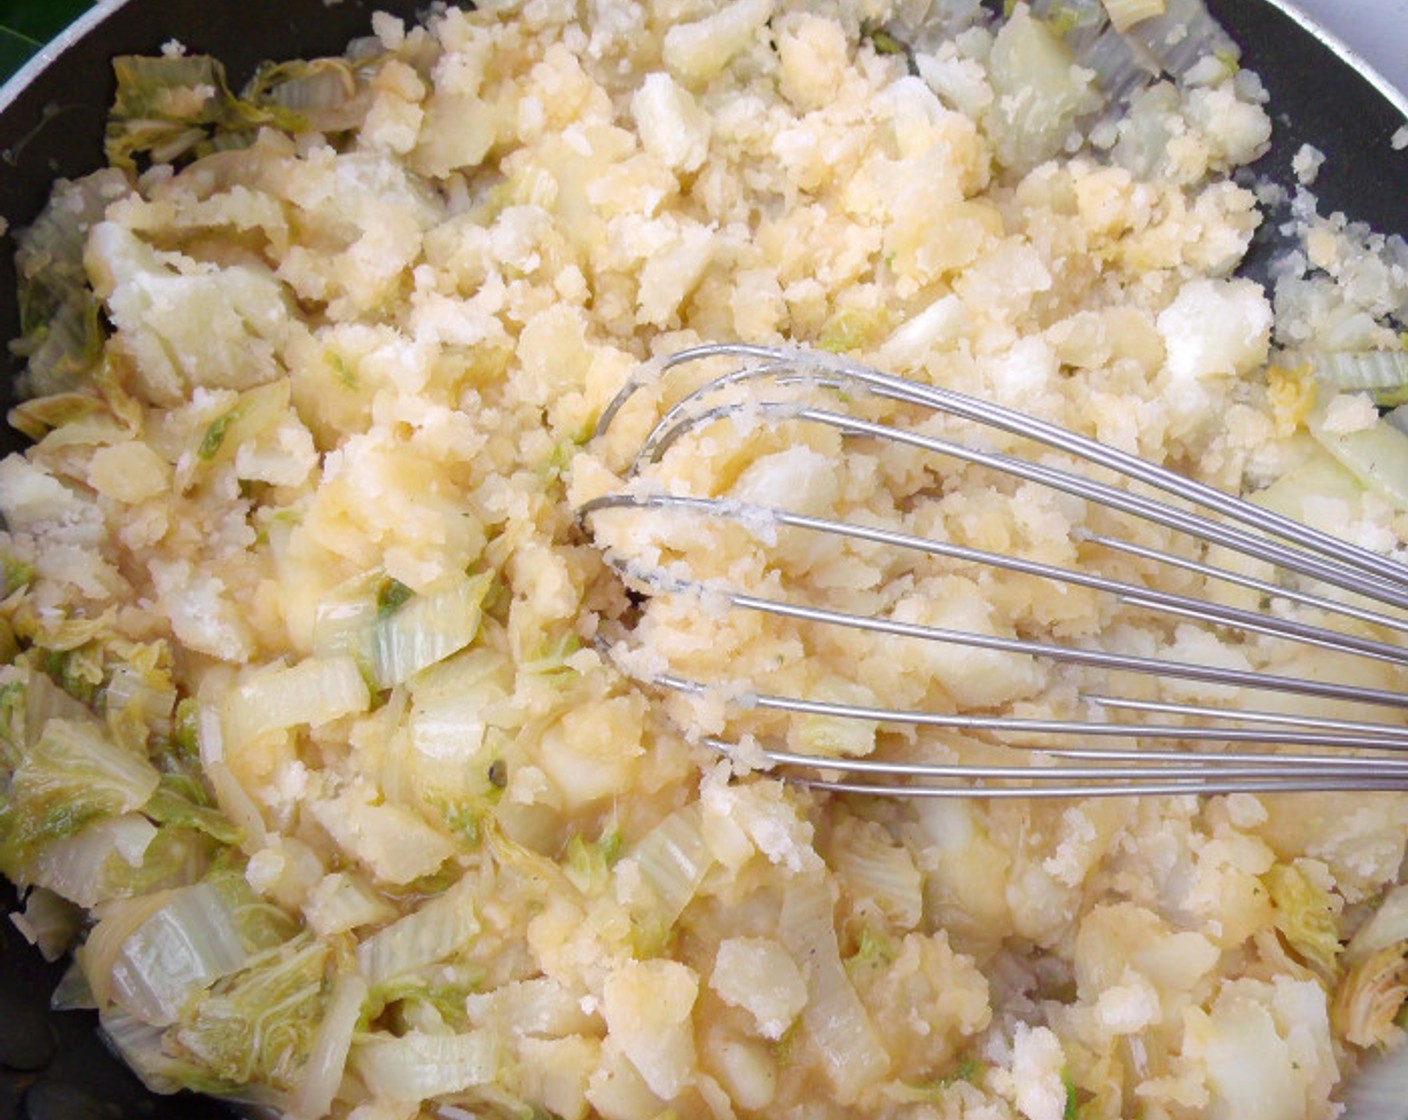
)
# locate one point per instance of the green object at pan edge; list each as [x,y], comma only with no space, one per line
[26,25]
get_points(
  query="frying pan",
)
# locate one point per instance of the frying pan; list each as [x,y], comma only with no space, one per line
[52,1065]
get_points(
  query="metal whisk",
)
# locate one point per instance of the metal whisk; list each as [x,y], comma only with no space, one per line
[1161,747]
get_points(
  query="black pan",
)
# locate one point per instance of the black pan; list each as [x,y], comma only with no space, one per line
[52,1065]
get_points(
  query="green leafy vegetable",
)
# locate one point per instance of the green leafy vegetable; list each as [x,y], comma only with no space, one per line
[588,863]
[70,777]
[392,594]
[394,634]
[168,107]
[1383,373]
[873,950]
[1305,917]
[259,1024]
[176,803]
[1072,1109]
[62,335]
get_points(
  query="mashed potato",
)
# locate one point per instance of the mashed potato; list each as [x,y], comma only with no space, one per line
[306,704]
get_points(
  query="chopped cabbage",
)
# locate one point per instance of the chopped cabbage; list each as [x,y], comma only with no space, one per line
[1377,456]
[1371,996]
[49,922]
[260,1024]
[426,935]
[62,334]
[365,818]
[177,952]
[67,779]
[416,1066]
[1040,92]
[1306,917]
[313,692]
[835,1019]
[395,634]
[176,106]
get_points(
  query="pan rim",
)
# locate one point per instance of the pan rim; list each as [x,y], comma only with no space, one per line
[48,54]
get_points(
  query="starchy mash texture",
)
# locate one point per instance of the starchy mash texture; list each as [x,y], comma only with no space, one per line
[307,707]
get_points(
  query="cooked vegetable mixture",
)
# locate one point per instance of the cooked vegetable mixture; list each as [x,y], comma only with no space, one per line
[312,739]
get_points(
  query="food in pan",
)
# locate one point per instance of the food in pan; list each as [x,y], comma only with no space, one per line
[310,745]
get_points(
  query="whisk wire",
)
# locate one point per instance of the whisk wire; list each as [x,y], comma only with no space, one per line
[1078,768]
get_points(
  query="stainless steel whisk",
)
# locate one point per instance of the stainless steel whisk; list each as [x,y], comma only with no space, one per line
[1306,753]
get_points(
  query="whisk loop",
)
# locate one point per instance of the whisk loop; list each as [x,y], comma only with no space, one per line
[771,386]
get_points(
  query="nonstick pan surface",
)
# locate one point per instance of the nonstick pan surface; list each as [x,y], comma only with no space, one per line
[52,1064]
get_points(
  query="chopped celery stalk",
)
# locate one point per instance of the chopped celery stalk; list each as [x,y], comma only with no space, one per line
[417,1066]
[1124,14]
[70,777]
[398,637]
[49,922]
[834,1017]
[177,952]
[431,933]
[1384,373]
[1377,456]
[313,692]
